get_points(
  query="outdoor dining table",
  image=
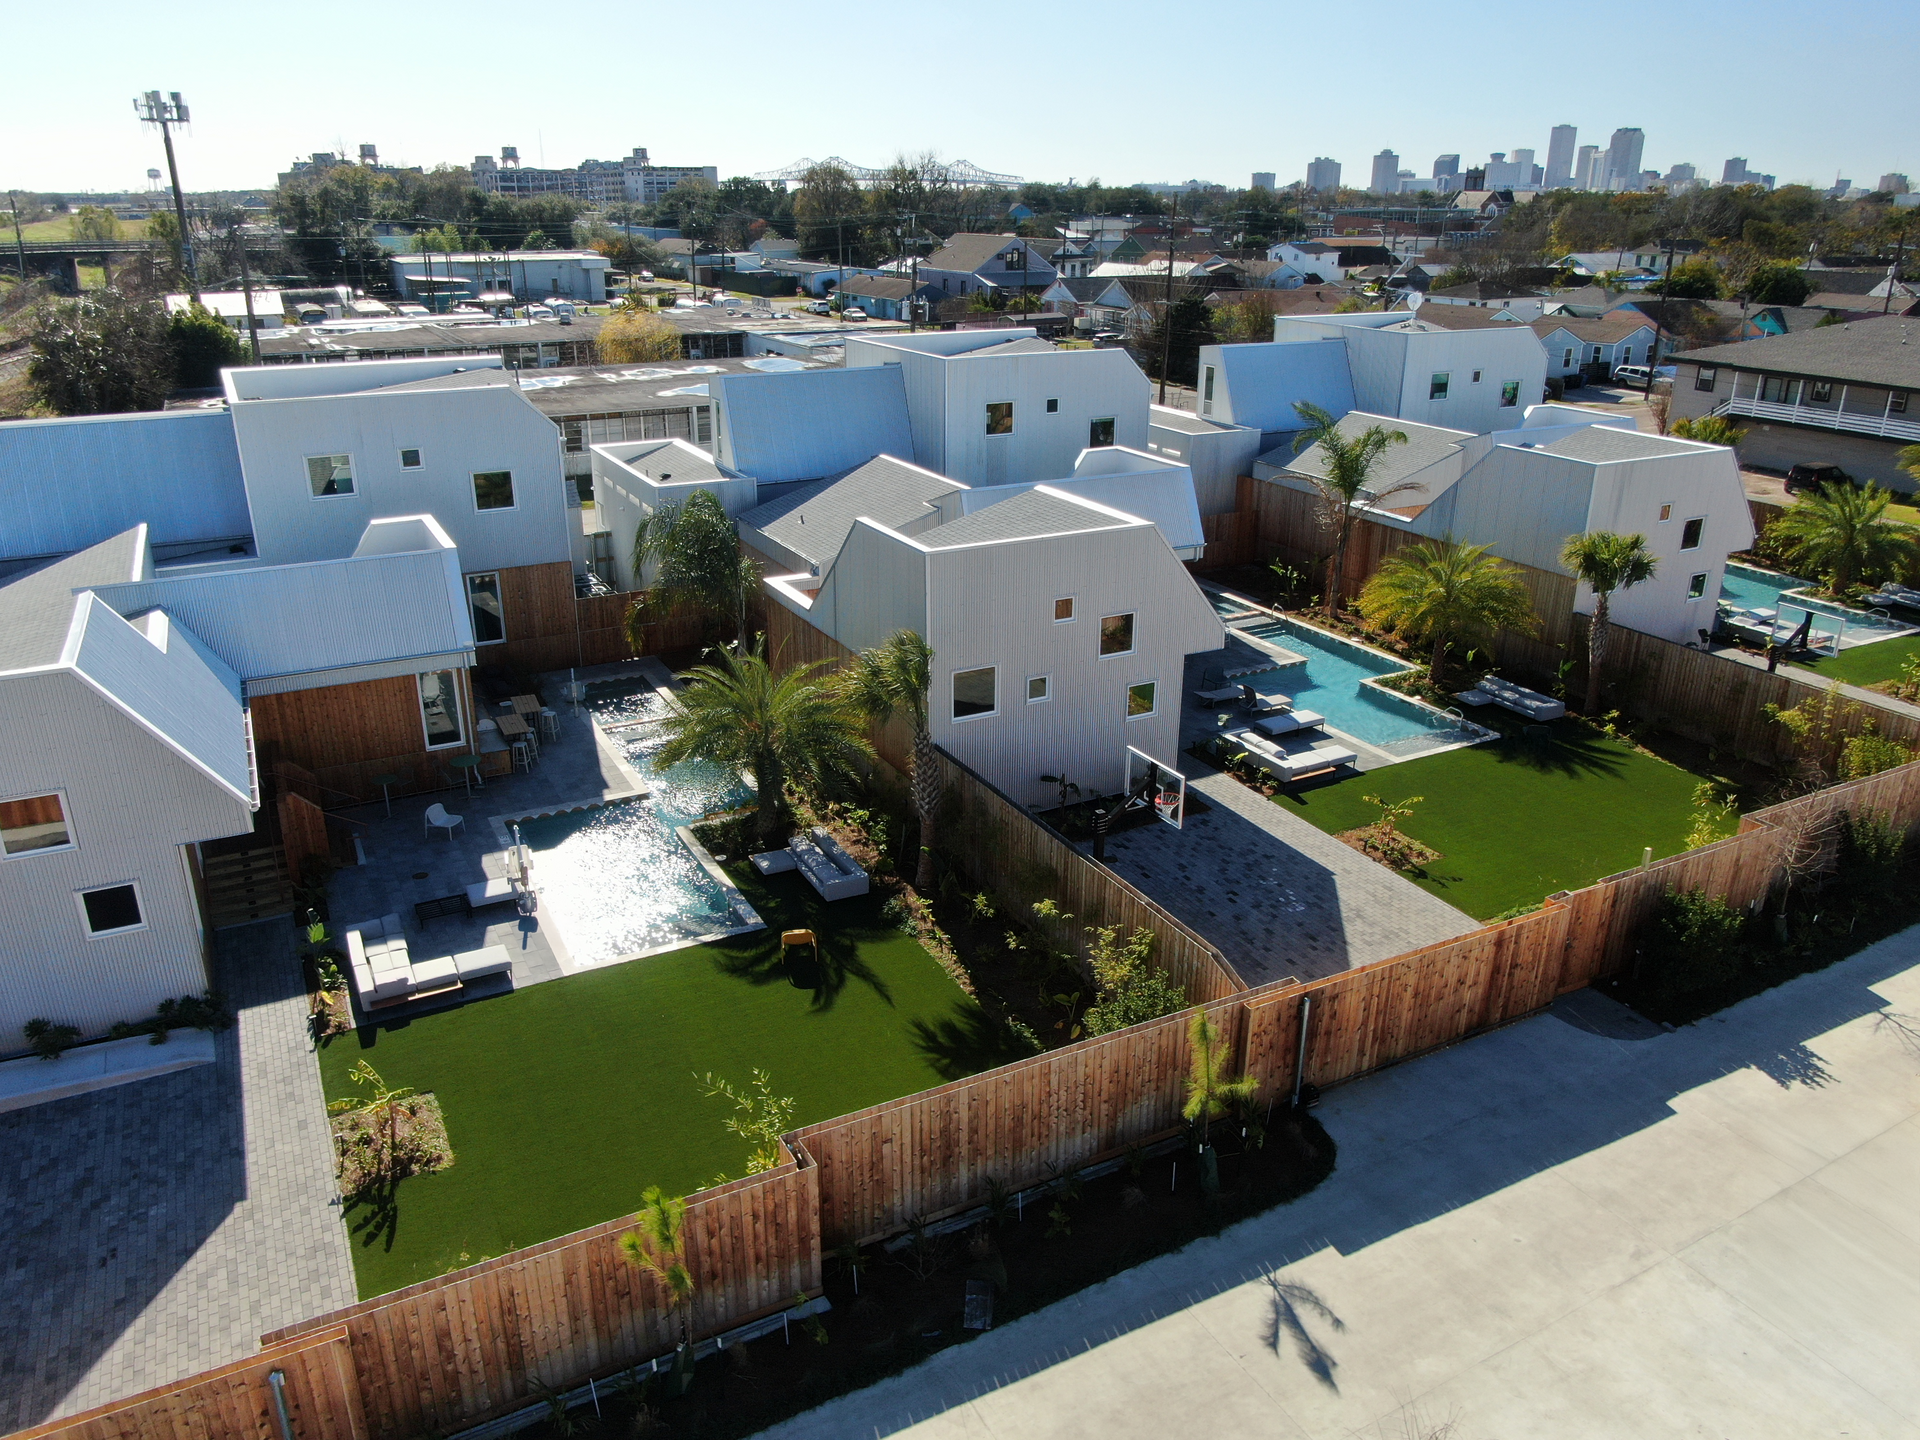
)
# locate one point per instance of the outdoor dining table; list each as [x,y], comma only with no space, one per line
[512,727]
[526,704]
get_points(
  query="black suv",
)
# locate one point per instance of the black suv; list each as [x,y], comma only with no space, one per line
[1817,476]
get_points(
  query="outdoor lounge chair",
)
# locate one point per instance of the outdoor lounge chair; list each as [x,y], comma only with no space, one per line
[1224,695]
[1303,763]
[1291,722]
[827,867]
[385,974]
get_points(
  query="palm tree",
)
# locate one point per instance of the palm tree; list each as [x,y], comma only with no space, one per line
[789,728]
[1345,463]
[1843,534]
[1604,562]
[898,676]
[660,1246]
[697,560]
[1443,592]
[1210,1094]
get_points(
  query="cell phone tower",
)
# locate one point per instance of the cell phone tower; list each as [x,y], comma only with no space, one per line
[167,113]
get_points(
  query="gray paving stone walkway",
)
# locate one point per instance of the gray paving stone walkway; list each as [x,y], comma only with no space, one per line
[158,1229]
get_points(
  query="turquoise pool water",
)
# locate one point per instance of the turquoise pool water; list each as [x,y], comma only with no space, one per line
[1745,587]
[1329,682]
[616,876]
[623,702]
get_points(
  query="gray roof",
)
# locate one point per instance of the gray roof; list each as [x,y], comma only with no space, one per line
[1184,422]
[1882,351]
[1084,287]
[1025,345]
[970,251]
[1487,290]
[1603,443]
[36,609]
[680,468]
[1426,445]
[814,520]
[431,337]
[606,390]
[1026,515]
[881,287]
[458,380]
[810,425]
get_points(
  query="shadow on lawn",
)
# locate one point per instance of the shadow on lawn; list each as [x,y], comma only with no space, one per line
[1569,749]
[825,971]
[966,1042]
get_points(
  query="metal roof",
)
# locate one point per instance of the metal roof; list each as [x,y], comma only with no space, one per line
[813,521]
[36,608]
[1026,516]
[70,483]
[604,389]
[1608,442]
[812,424]
[1425,445]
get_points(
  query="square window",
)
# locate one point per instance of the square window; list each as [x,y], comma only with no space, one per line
[38,822]
[1063,610]
[1690,533]
[1822,392]
[493,490]
[1140,700]
[1053,407]
[1038,689]
[330,475]
[1116,634]
[1100,433]
[111,910]
[1000,418]
[973,693]
[1666,513]
[1697,587]
[483,601]
[1437,387]
[440,709]
[1706,377]
[409,459]
[1509,394]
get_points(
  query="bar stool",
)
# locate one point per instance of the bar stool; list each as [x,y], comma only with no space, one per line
[549,723]
[522,754]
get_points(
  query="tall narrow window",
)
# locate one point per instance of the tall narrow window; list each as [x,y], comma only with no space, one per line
[1697,587]
[440,709]
[1116,634]
[1437,386]
[111,910]
[483,600]
[36,823]
[1100,433]
[330,475]
[1706,377]
[1897,403]
[973,693]
[1690,533]
[1000,418]
[493,490]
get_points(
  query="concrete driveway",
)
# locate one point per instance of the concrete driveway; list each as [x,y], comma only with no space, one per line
[1577,1226]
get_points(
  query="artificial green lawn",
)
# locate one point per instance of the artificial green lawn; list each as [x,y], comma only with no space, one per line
[1866,664]
[565,1100]
[1515,819]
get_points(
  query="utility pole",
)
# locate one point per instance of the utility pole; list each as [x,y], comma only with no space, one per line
[1893,272]
[1653,353]
[246,285]
[167,113]
[18,243]
[1166,322]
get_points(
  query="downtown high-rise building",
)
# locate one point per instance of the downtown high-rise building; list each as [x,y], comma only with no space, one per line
[1623,159]
[1735,172]
[1560,151]
[1386,173]
[1893,183]
[1263,180]
[1323,174]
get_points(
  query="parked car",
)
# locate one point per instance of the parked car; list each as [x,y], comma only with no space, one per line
[820,307]
[1816,474]
[646,275]
[1636,376]
[853,312]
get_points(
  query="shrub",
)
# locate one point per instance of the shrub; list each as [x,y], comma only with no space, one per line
[48,1040]
[1696,941]
[1128,988]
[1709,430]
[1872,849]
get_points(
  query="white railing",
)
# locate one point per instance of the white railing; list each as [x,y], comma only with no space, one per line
[1889,427]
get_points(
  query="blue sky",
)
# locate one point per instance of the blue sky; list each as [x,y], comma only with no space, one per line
[1122,91]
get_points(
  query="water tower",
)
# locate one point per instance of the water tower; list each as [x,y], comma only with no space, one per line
[153,179]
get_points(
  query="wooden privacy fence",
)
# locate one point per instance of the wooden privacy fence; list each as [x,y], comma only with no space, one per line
[465,1347]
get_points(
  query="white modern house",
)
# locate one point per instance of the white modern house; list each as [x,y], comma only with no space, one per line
[1216,453]
[524,274]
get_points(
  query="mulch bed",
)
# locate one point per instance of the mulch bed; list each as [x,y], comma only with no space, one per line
[420,1145]
[910,1304]
[1390,847]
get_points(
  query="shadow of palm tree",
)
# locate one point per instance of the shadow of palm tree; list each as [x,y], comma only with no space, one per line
[965,1042]
[1563,748]
[826,969]
[378,1214]
[1285,1323]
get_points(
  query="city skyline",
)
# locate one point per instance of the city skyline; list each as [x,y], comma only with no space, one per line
[77,130]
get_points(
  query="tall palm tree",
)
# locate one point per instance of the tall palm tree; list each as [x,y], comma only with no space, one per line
[695,554]
[1604,562]
[789,728]
[1443,592]
[1345,463]
[1843,534]
[897,676]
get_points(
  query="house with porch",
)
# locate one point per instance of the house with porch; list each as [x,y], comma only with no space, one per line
[970,263]
[1592,348]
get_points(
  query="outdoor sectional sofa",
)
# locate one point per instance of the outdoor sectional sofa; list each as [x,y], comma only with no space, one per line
[827,867]
[385,974]
[1278,763]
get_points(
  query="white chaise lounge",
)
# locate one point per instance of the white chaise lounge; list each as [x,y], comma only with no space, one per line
[827,867]
[1289,767]
[384,973]
[1291,723]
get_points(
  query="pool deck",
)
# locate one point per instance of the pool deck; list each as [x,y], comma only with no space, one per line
[405,865]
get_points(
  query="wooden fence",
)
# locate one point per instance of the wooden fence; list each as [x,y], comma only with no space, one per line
[303,833]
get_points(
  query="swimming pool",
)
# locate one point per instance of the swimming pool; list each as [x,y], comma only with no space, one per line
[624,702]
[1331,683]
[1746,587]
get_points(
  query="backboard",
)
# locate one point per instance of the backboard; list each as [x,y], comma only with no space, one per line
[1151,783]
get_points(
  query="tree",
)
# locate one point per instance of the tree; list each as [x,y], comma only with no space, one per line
[1345,462]
[791,728]
[382,1105]
[760,1117]
[1694,280]
[1192,327]
[828,213]
[1909,460]
[1778,285]
[694,553]
[1443,592]
[897,676]
[100,354]
[95,222]
[635,336]
[1247,321]
[659,1245]
[1210,1094]
[1128,988]
[1604,562]
[202,344]
[1709,430]
[1842,535]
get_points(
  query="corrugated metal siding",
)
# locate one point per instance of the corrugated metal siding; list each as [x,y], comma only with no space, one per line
[1257,385]
[1522,502]
[295,619]
[876,586]
[70,483]
[811,424]
[1089,384]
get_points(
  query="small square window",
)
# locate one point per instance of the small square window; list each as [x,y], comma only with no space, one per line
[1690,534]
[493,490]
[1822,392]
[1140,700]
[111,910]
[1697,587]
[1116,634]
[1706,377]
[1053,407]
[1100,433]
[1666,513]
[1000,418]
[1038,689]
[973,693]
[36,823]
[1063,610]
[409,459]
[1509,394]
[330,475]
[1437,386]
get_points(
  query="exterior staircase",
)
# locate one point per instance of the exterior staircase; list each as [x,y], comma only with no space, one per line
[245,885]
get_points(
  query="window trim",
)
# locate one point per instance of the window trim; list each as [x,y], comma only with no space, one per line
[353,478]
[953,677]
[1439,383]
[1133,637]
[1046,689]
[1706,377]
[1897,402]
[512,489]
[1053,405]
[1147,714]
[86,925]
[1700,538]
[991,433]
[66,818]
[1112,422]
[1820,392]
[459,711]
[467,580]
[1072,603]
[1509,394]
[1666,514]
[419,457]
[1476,377]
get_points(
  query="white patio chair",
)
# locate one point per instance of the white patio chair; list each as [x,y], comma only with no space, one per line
[439,819]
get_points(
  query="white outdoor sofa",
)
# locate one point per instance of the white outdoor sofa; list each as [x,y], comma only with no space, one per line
[1292,722]
[1517,698]
[1289,767]
[385,974]
[827,867]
